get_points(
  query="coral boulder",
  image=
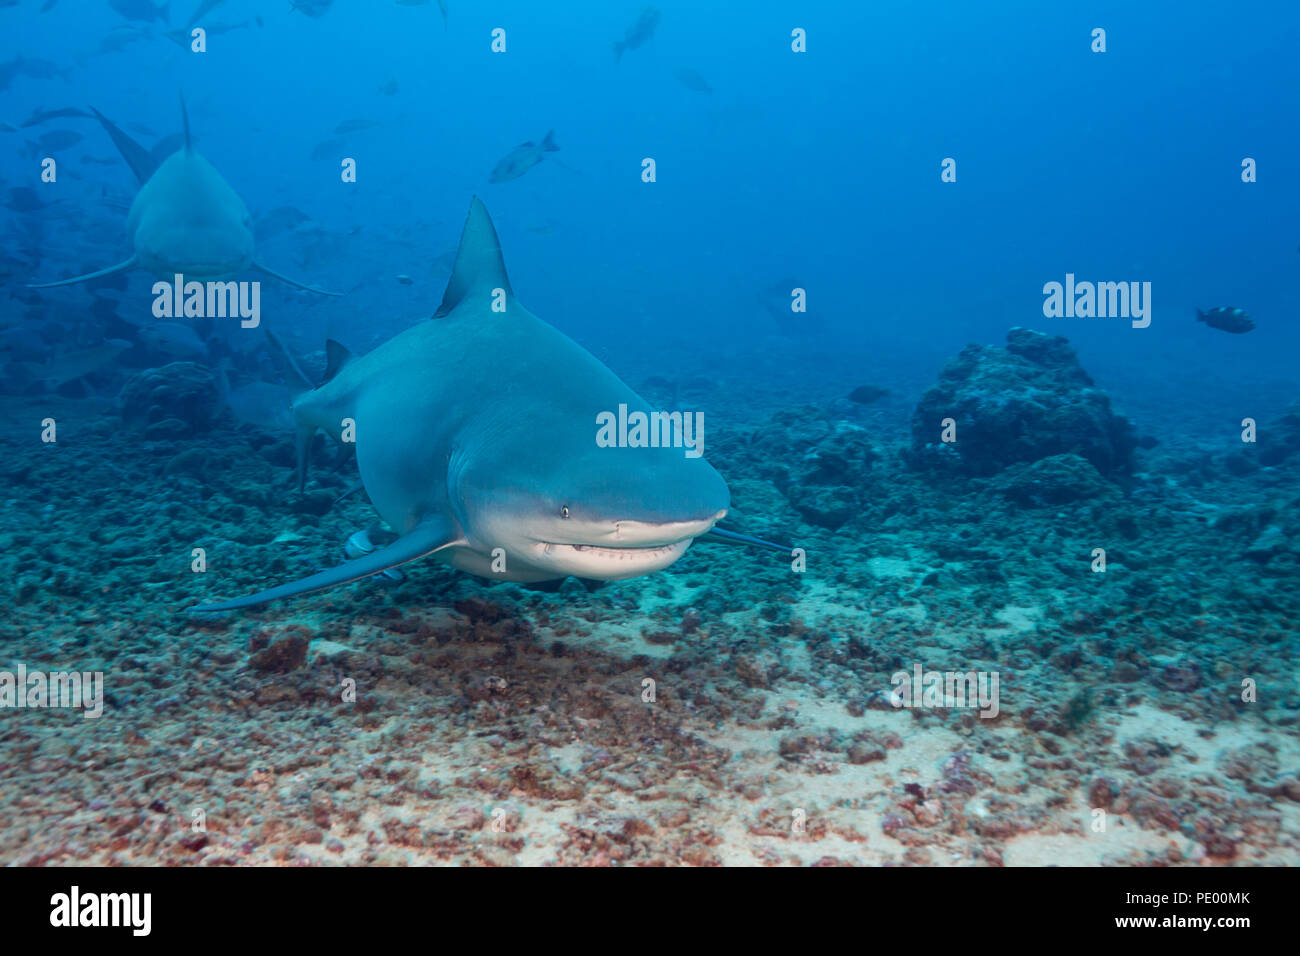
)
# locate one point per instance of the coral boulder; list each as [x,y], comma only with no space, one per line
[1023,403]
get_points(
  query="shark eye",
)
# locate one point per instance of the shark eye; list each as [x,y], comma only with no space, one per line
[564,511]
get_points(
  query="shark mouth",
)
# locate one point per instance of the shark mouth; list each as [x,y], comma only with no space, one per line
[600,552]
[609,564]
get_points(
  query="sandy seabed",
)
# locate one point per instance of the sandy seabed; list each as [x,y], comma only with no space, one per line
[497,725]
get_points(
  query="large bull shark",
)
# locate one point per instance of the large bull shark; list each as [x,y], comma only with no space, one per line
[185,219]
[475,437]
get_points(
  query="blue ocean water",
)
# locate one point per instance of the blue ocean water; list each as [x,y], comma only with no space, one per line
[823,166]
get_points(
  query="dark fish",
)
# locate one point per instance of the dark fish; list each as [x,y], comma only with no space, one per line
[389,88]
[42,69]
[638,33]
[142,10]
[866,394]
[260,404]
[204,8]
[60,139]
[24,199]
[280,219]
[692,80]
[184,36]
[62,369]
[353,125]
[44,116]
[36,69]
[312,8]
[119,37]
[1226,319]
[173,339]
[330,147]
[523,158]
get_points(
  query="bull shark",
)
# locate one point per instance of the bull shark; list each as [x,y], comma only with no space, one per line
[185,219]
[475,437]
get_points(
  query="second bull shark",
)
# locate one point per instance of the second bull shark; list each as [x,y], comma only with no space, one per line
[185,219]
[475,436]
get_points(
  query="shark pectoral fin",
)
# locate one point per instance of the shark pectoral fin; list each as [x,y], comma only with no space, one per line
[428,537]
[120,267]
[731,537]
[293,282]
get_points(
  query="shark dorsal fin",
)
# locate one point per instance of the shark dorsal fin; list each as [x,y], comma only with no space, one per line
[336,356]
[137,157]
[185,124]
[479,265]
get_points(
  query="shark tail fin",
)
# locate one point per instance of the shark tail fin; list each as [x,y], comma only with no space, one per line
[1200,316]
[548,144]
[479,263]
[120,267]
[424,539]
[293,282]
[619,46]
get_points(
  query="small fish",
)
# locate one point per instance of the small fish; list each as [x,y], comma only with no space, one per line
[174,340]
[260,404]
[389,88]
[280,219]
[638,33]
[353,125]
[327,149]
[36,69]
[523,158]
[1226,319]
[44,116]
[692,80]
[205,7]
[118,37]
[24,199]
[405,279]
[71,366]
[312,8]
[60,139]
[22,343]
[866,394]
[185,35]
[140,10]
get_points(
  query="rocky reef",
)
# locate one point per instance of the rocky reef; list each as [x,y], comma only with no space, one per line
[169,402]
[445,718]
[1023,403]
